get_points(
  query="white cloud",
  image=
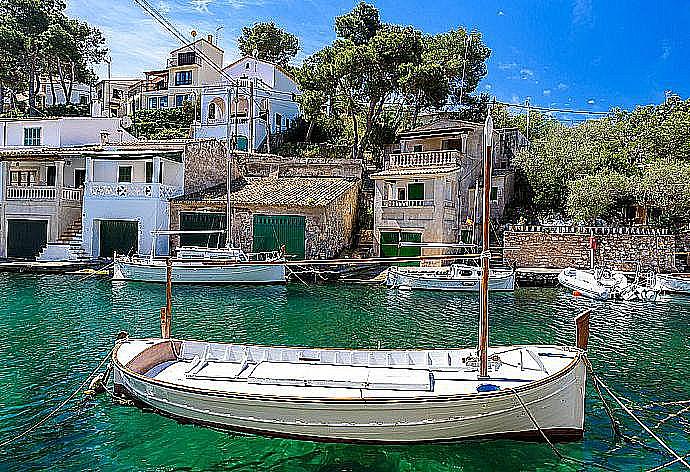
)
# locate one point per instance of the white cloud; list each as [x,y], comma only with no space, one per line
[582,13]
[201,5]
[164,7]
[562,86]
[546,92]
[591,101]
[665,49]
[515,99]
[501,13]
[526,73]
[507,65]
[487,86]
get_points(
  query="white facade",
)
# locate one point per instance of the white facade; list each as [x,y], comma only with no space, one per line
[111,96]
[260,95]
[139,195]
[81,94]
[61,132]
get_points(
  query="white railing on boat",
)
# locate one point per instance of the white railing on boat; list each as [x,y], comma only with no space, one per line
[425,158]
[407,203]
[118,191]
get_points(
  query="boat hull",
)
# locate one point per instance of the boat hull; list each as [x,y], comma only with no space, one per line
[193,272]
[418,282]
[573,279]
[556,402]
[672,284]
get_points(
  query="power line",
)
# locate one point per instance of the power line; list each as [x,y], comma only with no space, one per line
[558,110]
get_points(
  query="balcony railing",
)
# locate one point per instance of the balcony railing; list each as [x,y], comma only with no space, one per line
[184,59]
[42,193]
[425,158]
[117,191]
[155,86]
[407,203]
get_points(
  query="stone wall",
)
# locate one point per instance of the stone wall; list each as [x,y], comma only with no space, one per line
[560,247]
[205,165]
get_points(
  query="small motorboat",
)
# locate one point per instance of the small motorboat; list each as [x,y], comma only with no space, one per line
[602,283]
[456,277]
[671,283]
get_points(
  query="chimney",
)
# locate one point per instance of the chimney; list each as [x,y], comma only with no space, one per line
[210,38]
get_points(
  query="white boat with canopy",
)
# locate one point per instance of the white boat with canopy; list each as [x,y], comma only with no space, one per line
[203,265]
[368,396]
[602,283]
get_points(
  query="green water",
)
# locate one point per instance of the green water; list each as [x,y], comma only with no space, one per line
[55,329]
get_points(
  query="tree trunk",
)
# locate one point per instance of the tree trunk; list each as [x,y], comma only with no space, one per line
[355,147]
[71,84]
[52,88]
[32,93]
[2,99]
[63,85]
[310,130]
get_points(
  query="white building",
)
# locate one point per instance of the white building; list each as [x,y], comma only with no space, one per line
[126,198]
[81,94]
[259,96]
[42,175]
[111,97]
[188,68]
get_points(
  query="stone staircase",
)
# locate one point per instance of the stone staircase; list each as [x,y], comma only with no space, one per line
[68,246]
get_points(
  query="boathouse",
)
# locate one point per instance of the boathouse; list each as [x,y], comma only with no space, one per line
[313,217]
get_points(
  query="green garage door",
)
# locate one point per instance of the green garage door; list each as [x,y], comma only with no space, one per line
[198,221]
[26,238]
[118,236]
[273,231]
[389,245]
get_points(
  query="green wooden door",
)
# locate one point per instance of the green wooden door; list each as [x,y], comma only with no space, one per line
[26,238]
[389,245]
[273,231]
[198,221]
[242,143]
[118,236]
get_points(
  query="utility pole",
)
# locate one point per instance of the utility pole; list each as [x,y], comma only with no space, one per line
[237,102]
[527,104]
[251,116]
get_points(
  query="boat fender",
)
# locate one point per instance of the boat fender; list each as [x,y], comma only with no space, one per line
[482,388]
[577,293]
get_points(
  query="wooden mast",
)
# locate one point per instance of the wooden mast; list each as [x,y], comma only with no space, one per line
[486,255]
[166,311]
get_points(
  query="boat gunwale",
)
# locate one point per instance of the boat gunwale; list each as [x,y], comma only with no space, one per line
[579,357]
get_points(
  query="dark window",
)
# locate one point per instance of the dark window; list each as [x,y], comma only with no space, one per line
[184,77]
[83,99]
[493,196]
[180,99]
[212,111]
[124,174]
[79,177]
[149,172]
[401,193]
[32,136]
[160,172]
[50,176]
[186,58]
[117,94]
[163,102]
[415,191]
[279,121]
[418,148]
[452,144]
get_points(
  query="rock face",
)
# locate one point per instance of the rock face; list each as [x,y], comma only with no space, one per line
[560,247]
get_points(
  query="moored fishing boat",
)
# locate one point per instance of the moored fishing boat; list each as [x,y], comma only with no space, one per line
[602,283]
[370,396]
[203,265]
[456,277]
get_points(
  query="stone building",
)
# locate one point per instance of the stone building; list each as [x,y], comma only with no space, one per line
[429,188]
[313,217]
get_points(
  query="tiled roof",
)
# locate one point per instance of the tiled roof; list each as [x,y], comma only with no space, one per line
[283,191]
[416,171]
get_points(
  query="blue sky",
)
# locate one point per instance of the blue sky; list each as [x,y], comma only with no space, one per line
[581,54]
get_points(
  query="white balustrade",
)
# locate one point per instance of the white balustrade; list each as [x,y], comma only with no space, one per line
[425,158]
[407,203]
[122,190]
[73,194]
[30,192]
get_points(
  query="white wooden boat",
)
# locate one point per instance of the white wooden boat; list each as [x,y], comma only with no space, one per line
[456,277]
[672,283]
[220,271]
[358,396]
[369,396]
[203,265]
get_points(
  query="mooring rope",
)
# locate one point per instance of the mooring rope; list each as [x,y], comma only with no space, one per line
[555,450]
[639,422]
[39,423]
[667,464]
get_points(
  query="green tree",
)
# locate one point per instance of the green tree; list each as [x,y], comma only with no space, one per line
[268,42]
[601,195]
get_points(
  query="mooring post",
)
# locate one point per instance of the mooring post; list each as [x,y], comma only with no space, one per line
[166,312]
[582,329]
